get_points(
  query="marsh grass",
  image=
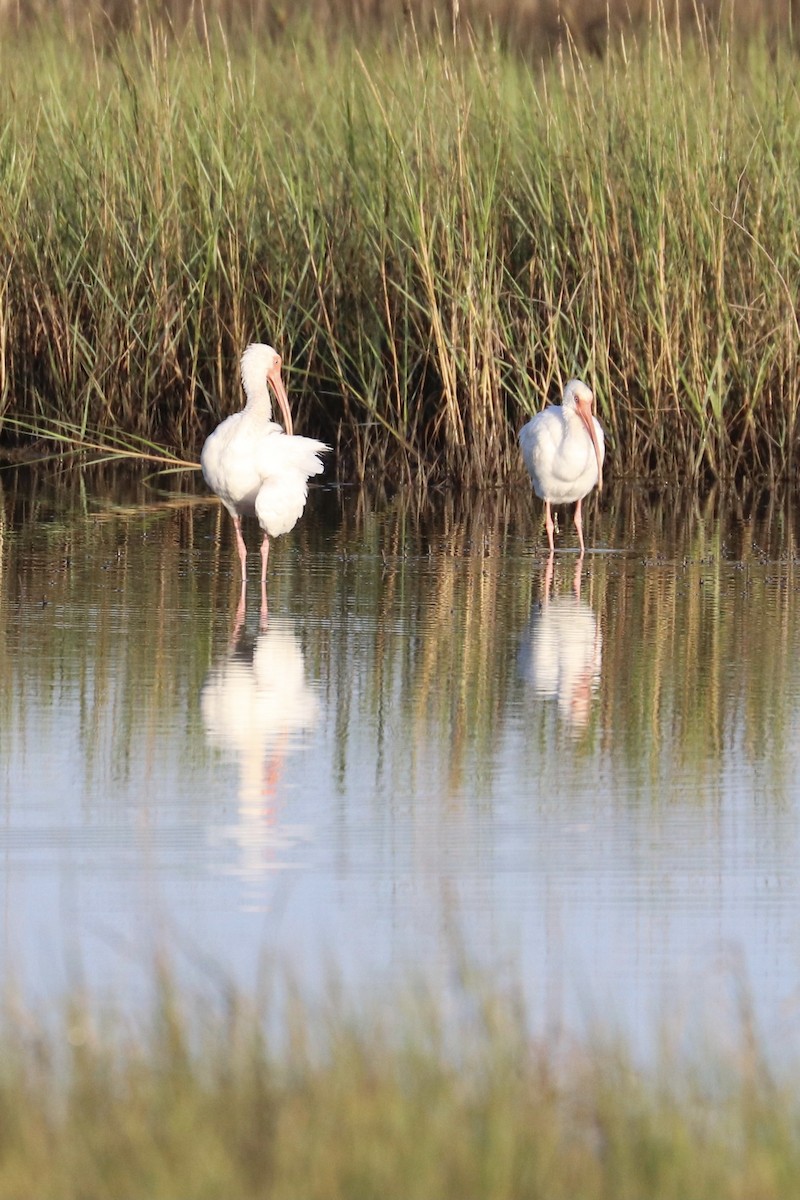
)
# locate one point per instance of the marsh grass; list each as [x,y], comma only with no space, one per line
[436,233]
[202,1103]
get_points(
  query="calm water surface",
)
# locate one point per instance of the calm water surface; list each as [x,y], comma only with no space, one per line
[437,748]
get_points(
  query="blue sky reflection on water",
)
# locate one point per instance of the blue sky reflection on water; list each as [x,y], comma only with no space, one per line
[407,763]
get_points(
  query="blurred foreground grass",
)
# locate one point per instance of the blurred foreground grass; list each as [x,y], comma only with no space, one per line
[424,1105]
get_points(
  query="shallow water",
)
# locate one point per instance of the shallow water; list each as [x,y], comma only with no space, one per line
[439,749]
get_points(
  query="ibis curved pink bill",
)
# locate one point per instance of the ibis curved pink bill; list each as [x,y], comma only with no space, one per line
[255,467]
[563,449]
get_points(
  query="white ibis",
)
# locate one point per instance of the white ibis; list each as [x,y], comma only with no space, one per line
[563,449]
[253,465]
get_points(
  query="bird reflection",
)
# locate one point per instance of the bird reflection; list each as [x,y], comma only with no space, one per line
[561,651]
[254,703]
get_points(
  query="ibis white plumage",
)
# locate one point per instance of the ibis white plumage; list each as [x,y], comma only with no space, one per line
[254,466]
[563,450]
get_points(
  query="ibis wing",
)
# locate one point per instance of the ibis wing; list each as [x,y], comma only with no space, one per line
[541,441]
[286,464]
[282,455]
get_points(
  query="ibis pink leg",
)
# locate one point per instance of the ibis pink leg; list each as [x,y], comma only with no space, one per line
[579,525]
[548,524]
[240,546]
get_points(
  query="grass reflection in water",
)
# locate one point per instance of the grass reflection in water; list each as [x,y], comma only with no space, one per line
[415,615]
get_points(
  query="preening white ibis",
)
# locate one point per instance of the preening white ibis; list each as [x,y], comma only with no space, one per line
[563,449]
[253,465]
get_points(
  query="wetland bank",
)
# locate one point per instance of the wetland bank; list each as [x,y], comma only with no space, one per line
[438,233]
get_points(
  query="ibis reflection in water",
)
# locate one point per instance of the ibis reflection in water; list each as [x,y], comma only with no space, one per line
[256,704]
[561,651]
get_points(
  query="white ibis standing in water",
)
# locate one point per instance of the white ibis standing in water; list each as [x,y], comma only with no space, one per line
[253,465]
[563,449]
